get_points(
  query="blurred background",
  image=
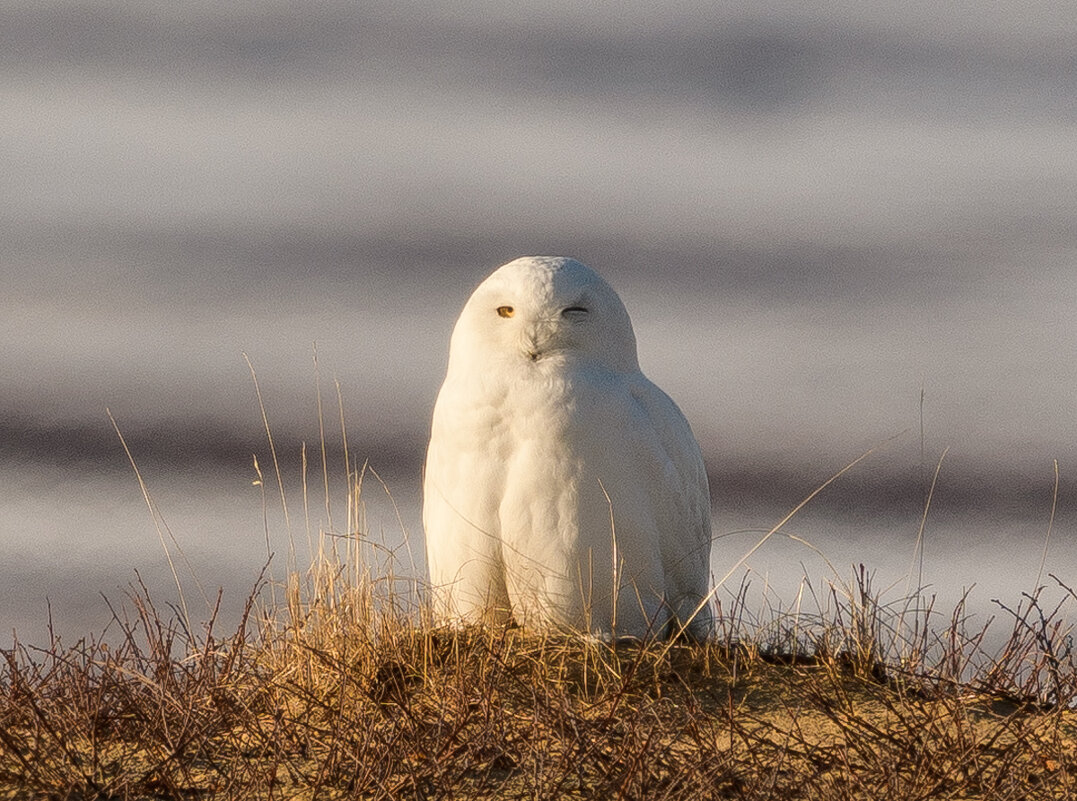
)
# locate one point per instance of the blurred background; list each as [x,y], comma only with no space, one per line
[835,225]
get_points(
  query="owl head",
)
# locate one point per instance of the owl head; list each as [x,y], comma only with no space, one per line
[539,311]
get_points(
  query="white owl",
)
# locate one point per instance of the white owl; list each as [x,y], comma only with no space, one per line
[562,489]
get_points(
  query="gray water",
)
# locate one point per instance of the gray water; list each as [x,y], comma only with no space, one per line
[833,225]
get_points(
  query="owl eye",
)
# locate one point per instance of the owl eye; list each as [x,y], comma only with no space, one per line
[506,311]
[575,312]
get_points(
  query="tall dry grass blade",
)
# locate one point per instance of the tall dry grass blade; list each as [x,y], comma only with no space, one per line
[918,548]
[272,447]
[1050,525]
[826,561]
[322,440]
[158,524]
[306,506]
[343,431]
[616,567]
[260,482]
[923,444]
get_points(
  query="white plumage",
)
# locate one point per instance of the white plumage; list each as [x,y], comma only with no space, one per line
[562,488]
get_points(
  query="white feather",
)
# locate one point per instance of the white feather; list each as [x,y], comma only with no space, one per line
[562,488]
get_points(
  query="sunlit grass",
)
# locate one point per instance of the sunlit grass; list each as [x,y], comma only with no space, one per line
[345,691]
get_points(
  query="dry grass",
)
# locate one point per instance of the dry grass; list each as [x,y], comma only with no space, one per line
[341,693]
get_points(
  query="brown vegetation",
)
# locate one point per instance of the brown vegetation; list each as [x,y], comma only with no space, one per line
[343,694]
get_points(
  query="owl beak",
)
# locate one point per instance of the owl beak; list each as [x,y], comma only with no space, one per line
[541,337]
[532,347]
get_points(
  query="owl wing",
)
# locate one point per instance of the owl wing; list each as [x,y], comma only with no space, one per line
[681,500]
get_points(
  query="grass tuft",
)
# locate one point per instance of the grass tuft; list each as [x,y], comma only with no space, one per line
[344,691]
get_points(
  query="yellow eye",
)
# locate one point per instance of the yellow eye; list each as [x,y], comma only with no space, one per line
[506,311]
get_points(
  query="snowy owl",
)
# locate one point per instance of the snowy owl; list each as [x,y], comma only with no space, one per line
[562,488]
